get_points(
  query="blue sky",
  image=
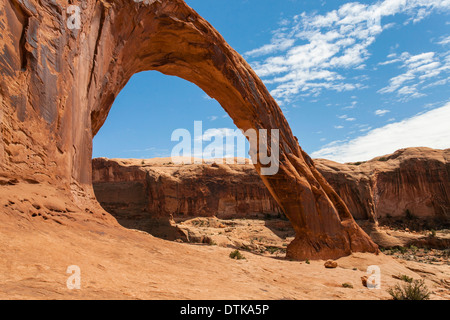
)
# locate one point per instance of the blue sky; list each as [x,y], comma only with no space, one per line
[354,79]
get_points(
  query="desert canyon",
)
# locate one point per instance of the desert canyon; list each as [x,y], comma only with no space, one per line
[149,229]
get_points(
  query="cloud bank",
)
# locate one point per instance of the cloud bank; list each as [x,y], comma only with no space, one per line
[429,129]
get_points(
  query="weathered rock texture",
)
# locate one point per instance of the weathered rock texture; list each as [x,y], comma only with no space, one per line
[414,181]
[160,188]
[58,85]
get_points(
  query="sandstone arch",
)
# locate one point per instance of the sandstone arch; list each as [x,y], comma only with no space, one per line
[58,85]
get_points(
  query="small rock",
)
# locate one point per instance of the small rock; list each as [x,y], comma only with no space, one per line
[364,280]
[330,264]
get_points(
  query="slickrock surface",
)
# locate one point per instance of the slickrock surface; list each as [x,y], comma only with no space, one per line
[57,86]
[118,263]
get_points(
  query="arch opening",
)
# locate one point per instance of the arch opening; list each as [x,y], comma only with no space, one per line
[173,39]
[137,182]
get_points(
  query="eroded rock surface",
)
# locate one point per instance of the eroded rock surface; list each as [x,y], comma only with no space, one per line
[57,86]
[412,182]
[160,188]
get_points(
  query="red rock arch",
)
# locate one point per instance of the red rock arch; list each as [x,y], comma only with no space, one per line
[58,86]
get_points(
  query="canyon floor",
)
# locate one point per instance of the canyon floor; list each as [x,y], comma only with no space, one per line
[121,263]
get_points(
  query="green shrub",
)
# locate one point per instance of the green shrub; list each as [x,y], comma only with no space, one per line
[347,285]
[405,278]
[416,290]
[307,261]
[272,250]
[403,250]
[236,255]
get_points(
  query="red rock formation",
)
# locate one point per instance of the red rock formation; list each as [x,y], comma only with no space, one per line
[413,180]
[58,85]
[161,189]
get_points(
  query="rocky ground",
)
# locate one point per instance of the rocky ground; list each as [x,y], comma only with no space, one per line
[42,238]
[268,236]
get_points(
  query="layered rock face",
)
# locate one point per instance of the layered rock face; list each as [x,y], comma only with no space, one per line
[58,84]
[413,181]
[160,188]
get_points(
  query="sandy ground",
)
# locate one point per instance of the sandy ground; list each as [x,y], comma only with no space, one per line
[119,263]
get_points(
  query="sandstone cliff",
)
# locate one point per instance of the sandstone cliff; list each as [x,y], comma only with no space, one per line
[413,181]
[161,188]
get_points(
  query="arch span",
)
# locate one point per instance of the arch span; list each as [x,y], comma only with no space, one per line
[84,70]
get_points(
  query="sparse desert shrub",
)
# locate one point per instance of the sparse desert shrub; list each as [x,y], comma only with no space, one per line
[307,261]
[415,290]
[347,285]
[405,278]
[403,250]
[433,233]
[272,250]
[236,255]
[383,159]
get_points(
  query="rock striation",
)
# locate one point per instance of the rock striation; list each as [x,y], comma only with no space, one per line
[412,181]
[59,78]
[161,188]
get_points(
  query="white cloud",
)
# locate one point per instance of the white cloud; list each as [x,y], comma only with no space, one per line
[419,69]
[444,41]
[381,112]
[429,129]
[309,52]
